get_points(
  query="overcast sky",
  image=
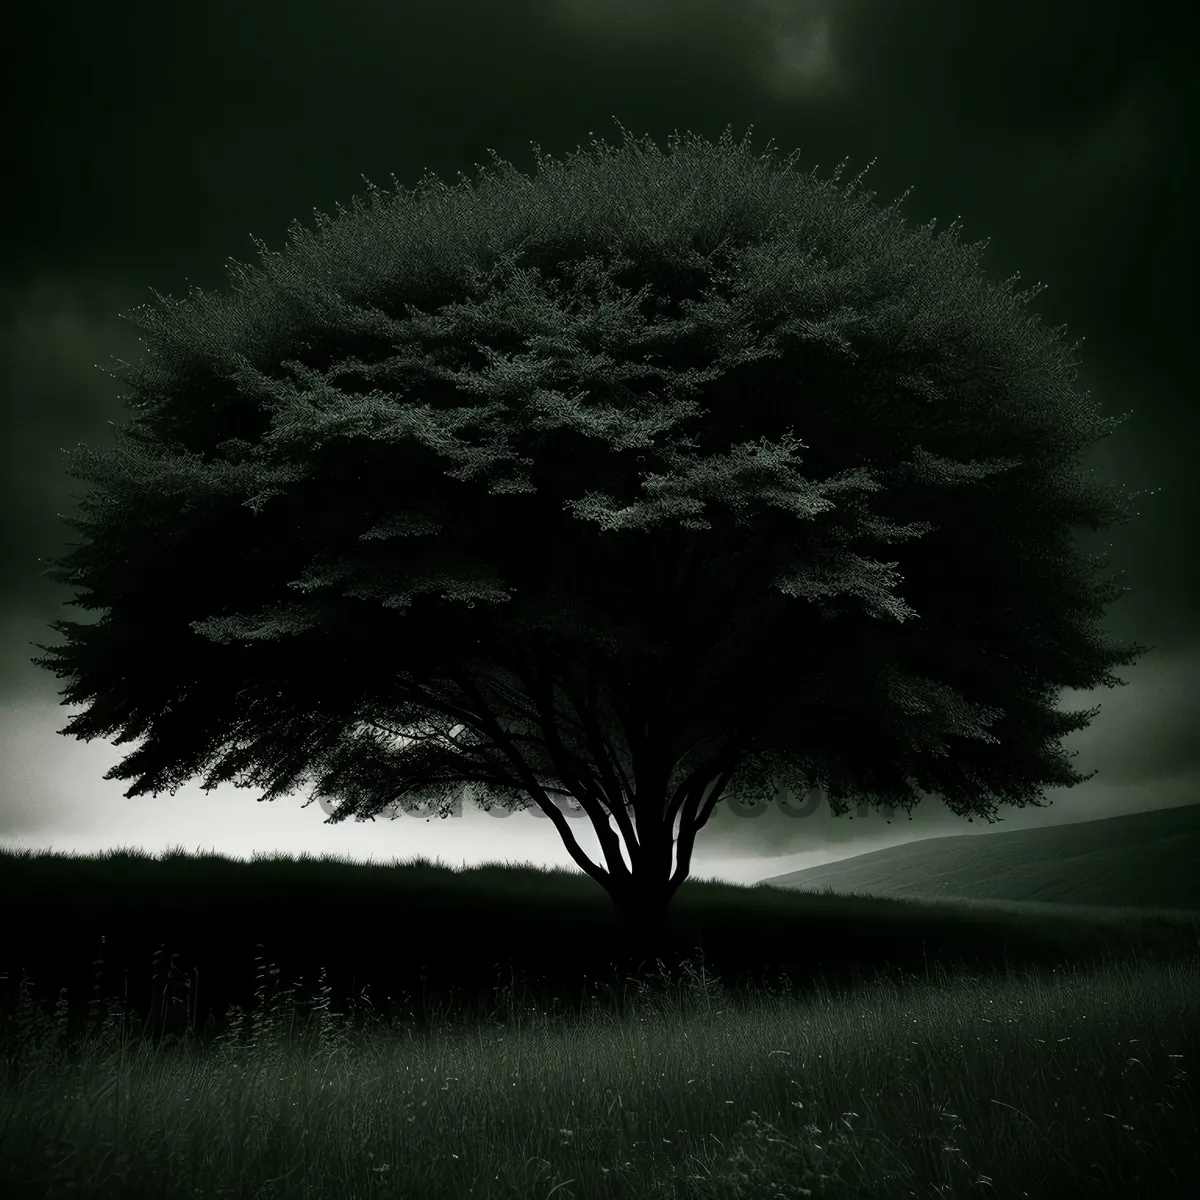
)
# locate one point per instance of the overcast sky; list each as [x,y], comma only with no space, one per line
[146,142]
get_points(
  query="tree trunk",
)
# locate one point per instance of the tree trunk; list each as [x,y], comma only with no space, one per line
[641,912]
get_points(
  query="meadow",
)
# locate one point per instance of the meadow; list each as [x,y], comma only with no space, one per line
[1068,1078]
[1141,859]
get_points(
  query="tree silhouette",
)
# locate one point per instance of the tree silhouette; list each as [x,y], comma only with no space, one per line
[512,470]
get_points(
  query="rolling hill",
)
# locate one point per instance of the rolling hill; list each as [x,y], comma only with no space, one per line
[1148,859]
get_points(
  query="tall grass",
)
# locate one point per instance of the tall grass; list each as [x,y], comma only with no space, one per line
[1070,1083]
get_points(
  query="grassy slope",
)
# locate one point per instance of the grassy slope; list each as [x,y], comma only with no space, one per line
[964,1086]
[1149,859]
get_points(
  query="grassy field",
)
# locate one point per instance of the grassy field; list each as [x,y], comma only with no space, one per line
[1054,1083]
[1145,859]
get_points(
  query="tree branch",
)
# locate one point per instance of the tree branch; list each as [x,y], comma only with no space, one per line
[597,873]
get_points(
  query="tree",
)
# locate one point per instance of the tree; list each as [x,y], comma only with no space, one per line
[512,470]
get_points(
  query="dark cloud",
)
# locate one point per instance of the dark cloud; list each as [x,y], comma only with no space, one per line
[147,142]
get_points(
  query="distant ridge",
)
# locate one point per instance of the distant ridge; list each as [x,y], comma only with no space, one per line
[1147,859]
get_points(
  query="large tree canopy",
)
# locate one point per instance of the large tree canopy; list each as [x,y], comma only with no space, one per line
[645,480]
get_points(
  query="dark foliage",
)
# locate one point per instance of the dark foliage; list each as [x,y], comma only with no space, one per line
[648,479]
